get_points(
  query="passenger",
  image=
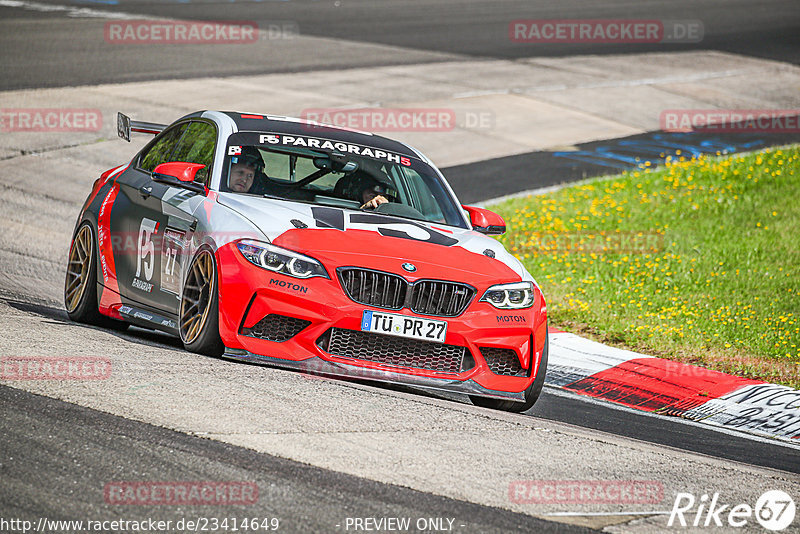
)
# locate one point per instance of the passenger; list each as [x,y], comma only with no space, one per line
[245,168]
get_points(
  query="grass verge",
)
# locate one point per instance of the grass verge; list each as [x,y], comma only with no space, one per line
[696,261]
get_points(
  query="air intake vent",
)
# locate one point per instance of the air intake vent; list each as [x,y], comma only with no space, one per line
[503,361]
[396,351]
[276,328]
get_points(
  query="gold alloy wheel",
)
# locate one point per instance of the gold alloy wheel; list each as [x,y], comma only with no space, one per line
[78,268]
[196,299]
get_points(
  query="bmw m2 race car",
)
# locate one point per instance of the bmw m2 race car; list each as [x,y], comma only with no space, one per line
[305,246]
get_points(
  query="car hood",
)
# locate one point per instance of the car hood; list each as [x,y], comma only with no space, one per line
[341,237]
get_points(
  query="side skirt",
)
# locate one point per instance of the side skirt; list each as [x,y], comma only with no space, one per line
[148,319]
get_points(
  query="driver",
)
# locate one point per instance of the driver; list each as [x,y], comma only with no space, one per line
[372,196]
[245,167]
[367,189]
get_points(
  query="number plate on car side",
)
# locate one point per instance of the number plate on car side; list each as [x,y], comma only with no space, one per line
[395,324]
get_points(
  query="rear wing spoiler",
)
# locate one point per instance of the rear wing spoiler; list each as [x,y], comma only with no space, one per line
[125,126]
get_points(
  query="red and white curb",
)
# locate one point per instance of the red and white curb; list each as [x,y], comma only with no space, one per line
[670,388]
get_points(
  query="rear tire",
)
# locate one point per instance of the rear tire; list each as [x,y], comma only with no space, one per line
[531,394]
[80,284]
[198,318]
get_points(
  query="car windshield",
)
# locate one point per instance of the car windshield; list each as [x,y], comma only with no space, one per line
[401,186]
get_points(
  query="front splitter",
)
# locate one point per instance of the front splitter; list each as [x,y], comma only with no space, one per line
[317,366]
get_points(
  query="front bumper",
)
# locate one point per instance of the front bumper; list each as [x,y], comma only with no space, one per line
[248,294]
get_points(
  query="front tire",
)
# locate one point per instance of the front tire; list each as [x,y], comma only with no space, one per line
[531,394]
[199,311]
[80,284]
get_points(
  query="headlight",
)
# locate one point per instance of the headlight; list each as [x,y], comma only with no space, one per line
[514,296]
[280,259]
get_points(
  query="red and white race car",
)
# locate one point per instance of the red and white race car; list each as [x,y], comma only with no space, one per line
[300,245]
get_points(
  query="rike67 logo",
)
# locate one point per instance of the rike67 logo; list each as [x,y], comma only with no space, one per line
[774,510]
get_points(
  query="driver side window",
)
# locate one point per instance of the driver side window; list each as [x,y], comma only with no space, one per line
[197,146]
[161,151]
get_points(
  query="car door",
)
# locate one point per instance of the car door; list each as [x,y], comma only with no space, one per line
[136,217]
[155,218]
[197,145]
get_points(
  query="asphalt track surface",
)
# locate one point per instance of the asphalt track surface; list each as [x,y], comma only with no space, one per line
[569,409]
[47,443]
[46,52]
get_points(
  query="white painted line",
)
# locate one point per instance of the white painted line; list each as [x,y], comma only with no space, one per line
[72,11]
[486,92]
[603,514]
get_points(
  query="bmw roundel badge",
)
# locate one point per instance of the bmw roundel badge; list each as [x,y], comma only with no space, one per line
[410,267]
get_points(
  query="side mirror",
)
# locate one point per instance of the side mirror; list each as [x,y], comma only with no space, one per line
[485,221]
[179,174]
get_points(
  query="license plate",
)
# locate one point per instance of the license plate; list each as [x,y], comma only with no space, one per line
[395,324]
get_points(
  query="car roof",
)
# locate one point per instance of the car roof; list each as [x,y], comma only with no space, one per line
[254,122]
